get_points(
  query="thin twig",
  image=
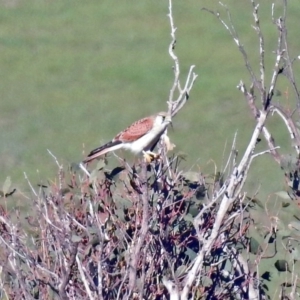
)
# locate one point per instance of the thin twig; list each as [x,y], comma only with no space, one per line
[175,105]
[261,51]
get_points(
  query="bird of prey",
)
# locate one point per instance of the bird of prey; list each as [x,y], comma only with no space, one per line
[140,137]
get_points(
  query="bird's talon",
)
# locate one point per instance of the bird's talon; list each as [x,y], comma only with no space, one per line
[151,156]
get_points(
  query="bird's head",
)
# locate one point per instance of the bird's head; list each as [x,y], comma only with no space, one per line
[163,118]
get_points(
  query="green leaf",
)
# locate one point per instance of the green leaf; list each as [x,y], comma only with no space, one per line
[64,191]
[289,162]
[282,265]
[284,195]
[112,255]
[180,270]
[205,281]
[155,198]
[193,208]
[190,253]
[101,164]
[255,201]
[201,192]
[114,174]
[75,166]
[97,176]
[191,176]
[120,214]
[76,238]
[153,226]
[254,246]
[93,230]
[188,218]
[122,203]
[257,233]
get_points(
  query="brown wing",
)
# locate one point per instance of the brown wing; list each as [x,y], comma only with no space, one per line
[136,130]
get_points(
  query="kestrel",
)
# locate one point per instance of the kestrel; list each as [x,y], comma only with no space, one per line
[140,137]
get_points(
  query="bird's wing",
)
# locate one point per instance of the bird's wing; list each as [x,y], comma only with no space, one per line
[110,146]
[135,131]
[130,134]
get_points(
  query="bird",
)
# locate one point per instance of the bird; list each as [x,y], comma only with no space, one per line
[140,137]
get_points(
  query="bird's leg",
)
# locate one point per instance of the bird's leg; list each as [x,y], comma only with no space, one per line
[150,156]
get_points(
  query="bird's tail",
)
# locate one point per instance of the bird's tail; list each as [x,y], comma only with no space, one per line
[110,146]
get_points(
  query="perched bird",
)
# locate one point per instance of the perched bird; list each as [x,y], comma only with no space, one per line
[140,137]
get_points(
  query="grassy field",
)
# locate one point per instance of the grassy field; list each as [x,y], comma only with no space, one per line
[74,73]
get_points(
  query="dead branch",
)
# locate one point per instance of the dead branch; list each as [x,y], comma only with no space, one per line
[184,93]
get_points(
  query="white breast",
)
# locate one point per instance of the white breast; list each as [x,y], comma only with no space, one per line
[146,140]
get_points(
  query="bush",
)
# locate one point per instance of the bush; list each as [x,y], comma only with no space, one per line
[153,231]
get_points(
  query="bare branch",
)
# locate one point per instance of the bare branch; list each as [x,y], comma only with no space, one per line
[175,106]
[83,278]
[261,51]
[231,193]
[176,83]
[230,28]
[294,134]
[172,289]
[135,251]
[288,70]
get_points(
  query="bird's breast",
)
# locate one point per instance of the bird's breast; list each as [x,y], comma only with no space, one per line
[146,141]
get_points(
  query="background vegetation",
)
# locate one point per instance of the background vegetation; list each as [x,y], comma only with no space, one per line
[74,73]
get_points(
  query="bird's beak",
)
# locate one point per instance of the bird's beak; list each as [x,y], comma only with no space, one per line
[169,120]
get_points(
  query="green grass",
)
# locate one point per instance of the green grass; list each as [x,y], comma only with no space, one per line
[75,73]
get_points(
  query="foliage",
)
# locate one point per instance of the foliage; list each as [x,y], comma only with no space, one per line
[153,231]
[87,239]
[83,236]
